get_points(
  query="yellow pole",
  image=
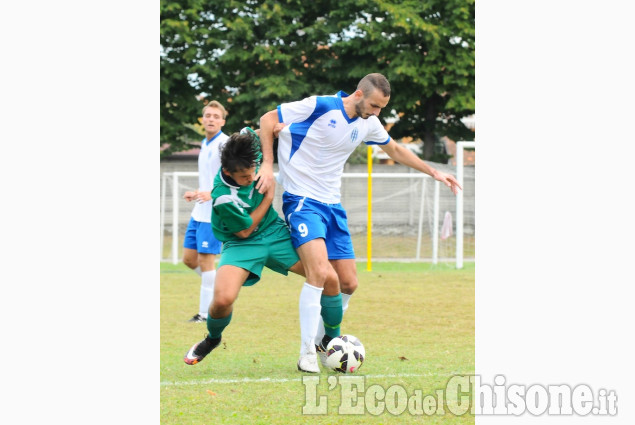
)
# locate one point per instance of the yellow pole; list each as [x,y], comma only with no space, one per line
[369,238]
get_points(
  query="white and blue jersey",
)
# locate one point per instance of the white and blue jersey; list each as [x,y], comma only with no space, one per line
[315,143]
[208,166]
[313,147]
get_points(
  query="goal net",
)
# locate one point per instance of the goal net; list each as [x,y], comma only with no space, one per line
[414,218]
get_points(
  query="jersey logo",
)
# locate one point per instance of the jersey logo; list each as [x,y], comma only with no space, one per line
[332,123]
[354,135]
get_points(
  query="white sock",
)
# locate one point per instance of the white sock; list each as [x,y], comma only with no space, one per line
[320,330]
[345,300]
[197,270]
[309,316]
[207,291]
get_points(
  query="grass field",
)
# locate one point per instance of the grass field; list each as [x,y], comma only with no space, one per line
[384,246]
[416,321]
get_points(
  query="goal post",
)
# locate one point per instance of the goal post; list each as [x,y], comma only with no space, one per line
[174,180]
[407,215]
[460,146]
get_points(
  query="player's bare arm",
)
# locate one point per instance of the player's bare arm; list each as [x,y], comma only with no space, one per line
[265,174]
[406,157]
[258,213]
[197,195]
[203,196]
[276,130]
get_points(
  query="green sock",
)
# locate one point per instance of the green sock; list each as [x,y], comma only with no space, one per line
[216,326]
[332,314]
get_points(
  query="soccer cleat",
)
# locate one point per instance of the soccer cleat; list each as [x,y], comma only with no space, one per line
[321,349]
[197,318]
[321,353]
[200,350]
[308,363]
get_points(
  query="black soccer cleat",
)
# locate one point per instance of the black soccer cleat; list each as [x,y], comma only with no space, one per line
[197,318]
[200,350]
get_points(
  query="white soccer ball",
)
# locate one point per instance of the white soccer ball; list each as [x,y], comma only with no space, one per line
[345,353]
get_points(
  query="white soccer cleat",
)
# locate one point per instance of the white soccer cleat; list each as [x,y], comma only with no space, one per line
[308,363]
[321,353]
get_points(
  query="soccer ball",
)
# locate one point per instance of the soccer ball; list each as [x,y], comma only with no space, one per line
[345,353]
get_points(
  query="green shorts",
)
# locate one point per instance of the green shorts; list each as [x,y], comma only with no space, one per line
[271,248]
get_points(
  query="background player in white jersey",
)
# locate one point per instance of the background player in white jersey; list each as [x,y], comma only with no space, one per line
[320,134]
[200,246]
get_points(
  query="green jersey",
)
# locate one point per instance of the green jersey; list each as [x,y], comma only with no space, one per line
[232,205]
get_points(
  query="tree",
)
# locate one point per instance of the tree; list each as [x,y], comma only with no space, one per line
[253,55]
[180,43]
[426,50]
[250,56]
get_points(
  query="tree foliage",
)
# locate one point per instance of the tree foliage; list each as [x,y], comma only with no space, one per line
[253,55]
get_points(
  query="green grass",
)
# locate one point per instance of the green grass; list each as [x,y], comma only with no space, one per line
[383,246]
[397,246]
[416,321]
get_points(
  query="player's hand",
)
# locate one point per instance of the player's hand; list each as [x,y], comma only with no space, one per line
[190,195]
[449,180]
[265,178]
[203,197]
[277,128]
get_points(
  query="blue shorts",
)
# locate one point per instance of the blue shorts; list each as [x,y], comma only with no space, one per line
[309,219]
[199,236]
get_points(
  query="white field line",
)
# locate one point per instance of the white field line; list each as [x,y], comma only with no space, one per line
[260,380]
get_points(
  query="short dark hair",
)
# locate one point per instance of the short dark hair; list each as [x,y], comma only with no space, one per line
[240,152]
[374,81]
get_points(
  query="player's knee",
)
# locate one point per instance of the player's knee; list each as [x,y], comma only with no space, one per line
[348,286]
[222,301]
[322,274]
[190,262]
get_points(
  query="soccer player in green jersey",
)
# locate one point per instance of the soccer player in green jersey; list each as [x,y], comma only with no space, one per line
[255,236]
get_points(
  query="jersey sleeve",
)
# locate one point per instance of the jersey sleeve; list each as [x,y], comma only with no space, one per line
[377,134]
[232,214]
[296,111]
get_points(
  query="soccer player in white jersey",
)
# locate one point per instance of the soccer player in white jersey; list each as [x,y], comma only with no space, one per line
[200,246]
[320,134]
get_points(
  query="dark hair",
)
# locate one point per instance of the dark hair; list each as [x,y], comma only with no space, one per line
[240,152]
[372,82]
